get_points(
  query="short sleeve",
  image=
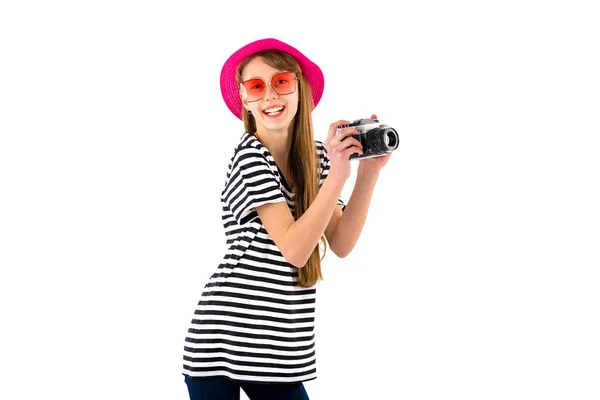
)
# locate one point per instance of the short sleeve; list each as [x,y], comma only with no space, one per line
[251,182]
[324,159]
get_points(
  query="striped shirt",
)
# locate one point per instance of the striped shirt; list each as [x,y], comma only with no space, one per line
[253,323]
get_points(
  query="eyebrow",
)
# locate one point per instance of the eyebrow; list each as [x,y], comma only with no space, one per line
[258,77]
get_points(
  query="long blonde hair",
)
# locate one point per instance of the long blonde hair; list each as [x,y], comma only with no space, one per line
[303,162]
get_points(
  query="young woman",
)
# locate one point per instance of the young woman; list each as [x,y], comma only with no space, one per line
[253,327]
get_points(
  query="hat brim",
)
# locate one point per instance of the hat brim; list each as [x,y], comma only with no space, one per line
[230,89]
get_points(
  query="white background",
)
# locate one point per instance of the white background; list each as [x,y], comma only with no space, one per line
[477,274]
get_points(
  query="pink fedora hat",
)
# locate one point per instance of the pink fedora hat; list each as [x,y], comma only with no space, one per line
[230,89]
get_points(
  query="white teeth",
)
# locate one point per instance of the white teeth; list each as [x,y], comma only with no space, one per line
[273,110]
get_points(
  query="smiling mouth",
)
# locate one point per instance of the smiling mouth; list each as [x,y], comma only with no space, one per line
[273,110]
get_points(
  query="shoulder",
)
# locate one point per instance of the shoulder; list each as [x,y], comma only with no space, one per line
[320,146]
[251,159]
[249,147]
[249,142]
[321,152]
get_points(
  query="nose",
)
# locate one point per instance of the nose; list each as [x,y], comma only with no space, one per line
[270,93]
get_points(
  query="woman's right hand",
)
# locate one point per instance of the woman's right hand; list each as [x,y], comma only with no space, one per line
[340,147]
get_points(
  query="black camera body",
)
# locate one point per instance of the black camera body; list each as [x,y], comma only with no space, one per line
[376,141]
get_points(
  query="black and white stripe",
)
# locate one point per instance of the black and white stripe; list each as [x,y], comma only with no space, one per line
[253,323]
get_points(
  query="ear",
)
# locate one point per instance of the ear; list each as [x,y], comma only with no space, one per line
[245,104]
[243,94]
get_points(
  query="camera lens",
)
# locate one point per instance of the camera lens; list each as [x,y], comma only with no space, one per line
[389,139]
[384,140]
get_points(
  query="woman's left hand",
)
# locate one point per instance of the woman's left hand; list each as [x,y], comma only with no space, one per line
[373,165]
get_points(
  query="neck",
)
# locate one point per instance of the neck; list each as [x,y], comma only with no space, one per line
[278,144]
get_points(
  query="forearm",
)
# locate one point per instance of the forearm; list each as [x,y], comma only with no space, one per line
[351,223]
[304,234]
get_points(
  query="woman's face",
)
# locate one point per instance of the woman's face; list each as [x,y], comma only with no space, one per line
[273,112]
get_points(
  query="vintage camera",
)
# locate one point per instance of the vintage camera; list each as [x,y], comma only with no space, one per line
[376,141]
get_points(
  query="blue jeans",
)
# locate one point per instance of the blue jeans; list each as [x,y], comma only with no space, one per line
[221,388]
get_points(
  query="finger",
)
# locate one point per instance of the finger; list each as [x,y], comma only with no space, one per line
[333,129]
[350,142]
[347,143]
[342,148]
[351,150]
[342,134]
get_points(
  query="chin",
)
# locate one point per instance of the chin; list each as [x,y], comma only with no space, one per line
[278,125]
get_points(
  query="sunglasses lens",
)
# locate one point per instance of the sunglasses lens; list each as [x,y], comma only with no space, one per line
[282,83]
[254,89]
